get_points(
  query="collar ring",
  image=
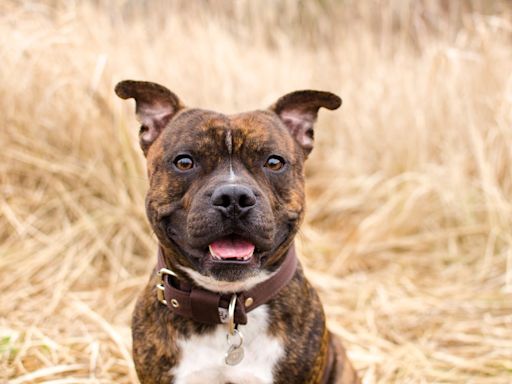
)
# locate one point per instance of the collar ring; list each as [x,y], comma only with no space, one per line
[231,315]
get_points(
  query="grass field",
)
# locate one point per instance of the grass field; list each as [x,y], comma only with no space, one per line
[408,236]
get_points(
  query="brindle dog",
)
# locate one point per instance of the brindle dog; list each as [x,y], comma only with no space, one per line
[225,200]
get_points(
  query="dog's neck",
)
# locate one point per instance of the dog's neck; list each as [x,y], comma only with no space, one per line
[206,305]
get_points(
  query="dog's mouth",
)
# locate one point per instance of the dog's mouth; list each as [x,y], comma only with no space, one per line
[231,249]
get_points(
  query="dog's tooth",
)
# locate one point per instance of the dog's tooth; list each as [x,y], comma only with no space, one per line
[213,253]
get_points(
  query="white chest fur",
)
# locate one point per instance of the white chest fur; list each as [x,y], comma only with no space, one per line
[202,356]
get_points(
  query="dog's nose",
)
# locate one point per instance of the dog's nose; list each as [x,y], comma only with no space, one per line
[233,199]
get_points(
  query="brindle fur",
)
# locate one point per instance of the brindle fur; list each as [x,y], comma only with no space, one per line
[178,208]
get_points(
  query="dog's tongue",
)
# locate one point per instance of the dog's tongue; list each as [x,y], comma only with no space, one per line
[231,248]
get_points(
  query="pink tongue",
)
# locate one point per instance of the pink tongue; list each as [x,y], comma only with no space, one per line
[232,248]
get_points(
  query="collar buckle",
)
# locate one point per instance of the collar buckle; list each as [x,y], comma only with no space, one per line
[160,287]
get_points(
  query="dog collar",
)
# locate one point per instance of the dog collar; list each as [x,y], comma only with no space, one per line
[212,307]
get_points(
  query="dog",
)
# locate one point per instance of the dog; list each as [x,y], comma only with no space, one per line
[228,301]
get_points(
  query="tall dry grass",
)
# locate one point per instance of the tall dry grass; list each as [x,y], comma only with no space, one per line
[409,231]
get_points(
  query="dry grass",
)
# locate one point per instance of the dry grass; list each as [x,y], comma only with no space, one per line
[409,232]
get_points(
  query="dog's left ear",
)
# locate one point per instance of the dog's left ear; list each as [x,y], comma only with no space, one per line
[298,111]
[155,106]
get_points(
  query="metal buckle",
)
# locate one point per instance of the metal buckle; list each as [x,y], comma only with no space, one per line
[160,287]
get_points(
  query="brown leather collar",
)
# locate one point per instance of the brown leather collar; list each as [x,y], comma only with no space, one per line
[211,307]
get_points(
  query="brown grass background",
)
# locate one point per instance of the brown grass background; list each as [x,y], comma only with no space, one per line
[408,235]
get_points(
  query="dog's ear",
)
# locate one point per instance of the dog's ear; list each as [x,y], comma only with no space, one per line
[298,111]
[155,106]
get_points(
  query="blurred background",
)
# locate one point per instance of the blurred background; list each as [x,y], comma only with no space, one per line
[408,235]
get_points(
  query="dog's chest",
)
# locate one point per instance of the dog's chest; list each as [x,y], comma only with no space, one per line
[202,356]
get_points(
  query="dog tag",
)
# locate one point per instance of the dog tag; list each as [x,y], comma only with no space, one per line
[234,355]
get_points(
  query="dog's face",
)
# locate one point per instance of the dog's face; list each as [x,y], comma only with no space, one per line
[226,193]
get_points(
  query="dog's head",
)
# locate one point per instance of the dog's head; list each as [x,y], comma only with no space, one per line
[226,193]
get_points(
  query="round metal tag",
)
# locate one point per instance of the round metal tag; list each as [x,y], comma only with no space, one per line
[234,355]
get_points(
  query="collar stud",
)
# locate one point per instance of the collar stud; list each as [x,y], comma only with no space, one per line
[248,302]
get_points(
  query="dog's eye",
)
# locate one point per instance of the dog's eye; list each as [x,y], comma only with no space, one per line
[183,162]
[275,163]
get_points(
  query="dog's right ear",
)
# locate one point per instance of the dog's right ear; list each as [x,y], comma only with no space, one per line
[155,106]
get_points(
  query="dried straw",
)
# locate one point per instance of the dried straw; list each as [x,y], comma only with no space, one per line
[409,232]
